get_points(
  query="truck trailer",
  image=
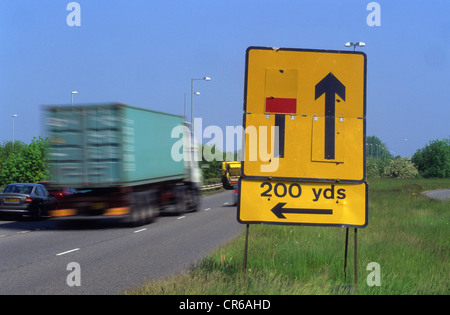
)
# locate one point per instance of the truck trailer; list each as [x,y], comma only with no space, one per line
[125,162]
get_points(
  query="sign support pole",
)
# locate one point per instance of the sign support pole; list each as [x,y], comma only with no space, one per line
[355,256]
[345,254]
[244,267]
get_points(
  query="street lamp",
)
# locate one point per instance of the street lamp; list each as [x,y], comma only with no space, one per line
[13,116]
[406,147]
[350,44]
[192,97]
[71,96]
[195,93]
[192,101]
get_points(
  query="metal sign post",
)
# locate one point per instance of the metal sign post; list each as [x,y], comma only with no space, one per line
[244,267]
[355,256]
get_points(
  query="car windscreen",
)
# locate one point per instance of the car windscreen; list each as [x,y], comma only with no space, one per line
[18,189]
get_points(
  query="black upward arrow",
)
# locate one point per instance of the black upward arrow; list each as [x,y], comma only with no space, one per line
[330,86]
[278,210]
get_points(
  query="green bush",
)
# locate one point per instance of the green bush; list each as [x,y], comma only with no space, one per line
[376,166]
[373,170]
[400,168]
[24,163]
[434,159]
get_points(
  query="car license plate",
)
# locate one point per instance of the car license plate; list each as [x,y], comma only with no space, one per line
[12,200]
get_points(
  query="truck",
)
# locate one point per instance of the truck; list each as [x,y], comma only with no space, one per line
[231,170]
[125,162]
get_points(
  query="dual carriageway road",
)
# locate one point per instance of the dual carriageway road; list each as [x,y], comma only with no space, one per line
[35,255]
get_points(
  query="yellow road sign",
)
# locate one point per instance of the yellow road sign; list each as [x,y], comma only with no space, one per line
[305,115]
[290,203]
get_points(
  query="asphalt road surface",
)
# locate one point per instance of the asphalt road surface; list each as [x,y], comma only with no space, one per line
[36,257]
[441,194]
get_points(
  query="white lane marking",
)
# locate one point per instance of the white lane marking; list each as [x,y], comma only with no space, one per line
[141,230]
[69,251]
[226,203]
[25,231]
[207,209]
[182,217]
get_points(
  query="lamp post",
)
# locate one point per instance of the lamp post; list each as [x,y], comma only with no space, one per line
[192,102]
[71,96]
[350,44]
[184,107]
[192,97]
[13,139]
[406,147]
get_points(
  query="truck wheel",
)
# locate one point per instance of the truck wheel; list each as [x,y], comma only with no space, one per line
[137,211]
[225,183]
[181,202]
[151,210]
[195,199]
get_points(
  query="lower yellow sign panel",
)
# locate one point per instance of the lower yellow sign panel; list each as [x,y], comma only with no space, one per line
[303,203]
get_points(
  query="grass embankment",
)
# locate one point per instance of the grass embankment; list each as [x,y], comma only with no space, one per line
[408,236]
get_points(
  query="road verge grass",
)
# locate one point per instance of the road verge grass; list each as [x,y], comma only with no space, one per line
[408,236]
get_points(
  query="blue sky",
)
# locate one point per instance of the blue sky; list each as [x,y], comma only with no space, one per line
[144,53]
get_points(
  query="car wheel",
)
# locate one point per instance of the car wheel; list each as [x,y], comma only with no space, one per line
[38,213]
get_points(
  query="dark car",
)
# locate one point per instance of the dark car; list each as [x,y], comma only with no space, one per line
[26,199]
[235,194]
[58,193]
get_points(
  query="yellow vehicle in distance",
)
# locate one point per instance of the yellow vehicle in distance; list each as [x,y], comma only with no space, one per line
[231,170]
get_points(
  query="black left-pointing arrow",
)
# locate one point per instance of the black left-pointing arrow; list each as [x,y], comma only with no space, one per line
[279,211]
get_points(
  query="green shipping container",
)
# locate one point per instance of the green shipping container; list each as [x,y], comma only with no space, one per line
[111,145]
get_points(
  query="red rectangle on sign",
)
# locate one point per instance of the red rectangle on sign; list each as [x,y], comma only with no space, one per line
[281,105]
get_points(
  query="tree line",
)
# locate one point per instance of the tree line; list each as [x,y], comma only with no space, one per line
[24,163]
[433,160]
[21,162]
